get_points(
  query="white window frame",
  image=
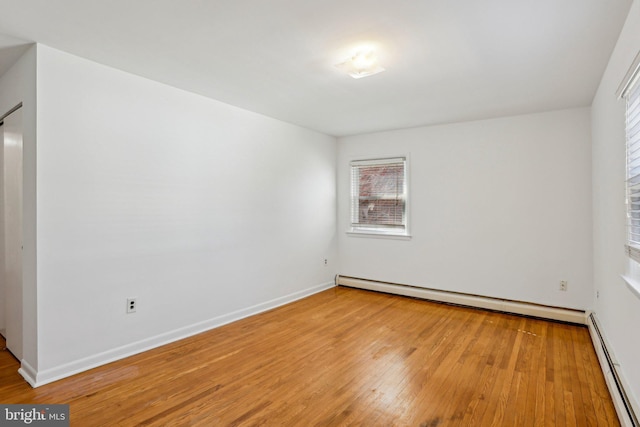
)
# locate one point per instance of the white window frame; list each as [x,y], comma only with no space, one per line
[629,90]
[364,230]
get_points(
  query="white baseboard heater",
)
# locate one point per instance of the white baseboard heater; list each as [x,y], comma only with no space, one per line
[625,407]
[469,300]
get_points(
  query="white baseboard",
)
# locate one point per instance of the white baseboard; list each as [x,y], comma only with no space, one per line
[625,405]
[38,378]
[27,372]
[507,306]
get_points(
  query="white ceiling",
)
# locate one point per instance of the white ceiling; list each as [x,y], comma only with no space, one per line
[446,60]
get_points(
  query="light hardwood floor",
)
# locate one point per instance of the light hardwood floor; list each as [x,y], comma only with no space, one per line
[346,357]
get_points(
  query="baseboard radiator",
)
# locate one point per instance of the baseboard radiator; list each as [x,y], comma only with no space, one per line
[495,304]
[625,407]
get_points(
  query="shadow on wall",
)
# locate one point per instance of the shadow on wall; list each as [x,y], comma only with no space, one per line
[9,54]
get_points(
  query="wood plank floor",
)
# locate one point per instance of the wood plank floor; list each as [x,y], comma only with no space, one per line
[346,357]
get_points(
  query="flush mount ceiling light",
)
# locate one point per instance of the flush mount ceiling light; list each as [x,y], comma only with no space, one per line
[364,63]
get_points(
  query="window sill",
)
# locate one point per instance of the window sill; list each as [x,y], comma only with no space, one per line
[378,234]
[632,284]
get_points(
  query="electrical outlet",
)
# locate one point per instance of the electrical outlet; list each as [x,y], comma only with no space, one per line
[563,285]
[132,305]
[326,262]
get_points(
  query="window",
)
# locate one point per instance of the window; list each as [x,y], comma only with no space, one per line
[631,93]
[379,196]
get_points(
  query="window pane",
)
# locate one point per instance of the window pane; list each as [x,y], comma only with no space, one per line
[633,164]
[378,194]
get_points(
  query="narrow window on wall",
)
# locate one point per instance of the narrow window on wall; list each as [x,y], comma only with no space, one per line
[630,91]
[379,196]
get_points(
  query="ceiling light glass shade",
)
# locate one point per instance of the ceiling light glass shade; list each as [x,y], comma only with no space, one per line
[362,64]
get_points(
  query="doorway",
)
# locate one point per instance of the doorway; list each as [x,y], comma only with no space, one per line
[11,215]
[3,279]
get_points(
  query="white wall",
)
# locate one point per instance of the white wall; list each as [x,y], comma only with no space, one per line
[202,211]
[617,308]
[499,208]
[17,85]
